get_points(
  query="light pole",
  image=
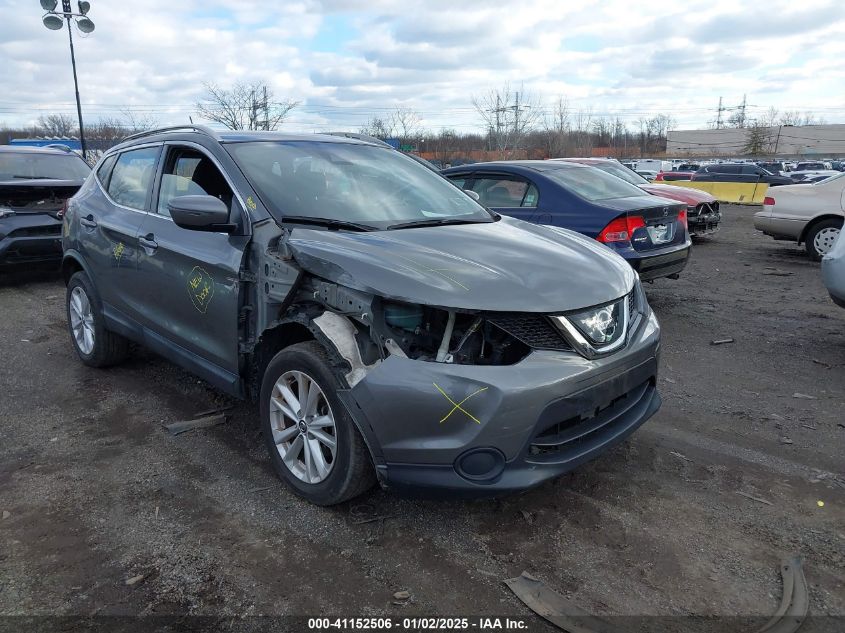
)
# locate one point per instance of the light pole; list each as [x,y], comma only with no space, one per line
[54,20]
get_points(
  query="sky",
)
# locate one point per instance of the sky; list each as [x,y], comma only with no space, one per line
[347,61]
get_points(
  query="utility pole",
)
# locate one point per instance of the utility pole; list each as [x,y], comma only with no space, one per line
[266,111]
[719,115]
[742,112]
[54,20]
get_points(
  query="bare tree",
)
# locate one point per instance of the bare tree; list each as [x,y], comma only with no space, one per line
[57,125]
[405,124]
[378,128]
[556,129]
[583,139]
[244,106]
[508,116]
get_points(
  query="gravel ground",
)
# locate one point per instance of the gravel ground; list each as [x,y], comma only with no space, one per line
[94,492]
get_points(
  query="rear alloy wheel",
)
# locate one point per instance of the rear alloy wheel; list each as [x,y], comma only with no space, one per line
[313,442]
[81,320]
[820,238]
[94,344]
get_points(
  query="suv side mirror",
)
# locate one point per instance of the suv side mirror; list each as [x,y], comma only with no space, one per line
[200,213]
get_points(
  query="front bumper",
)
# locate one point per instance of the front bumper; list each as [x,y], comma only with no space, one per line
[30,241]
[483,430]
[705,220]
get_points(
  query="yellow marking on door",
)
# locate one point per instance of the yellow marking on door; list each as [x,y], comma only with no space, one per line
[458,406]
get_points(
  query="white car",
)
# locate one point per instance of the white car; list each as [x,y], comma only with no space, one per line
[833,271]
[809,214]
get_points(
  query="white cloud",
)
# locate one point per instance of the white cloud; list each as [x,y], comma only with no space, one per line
[347,60]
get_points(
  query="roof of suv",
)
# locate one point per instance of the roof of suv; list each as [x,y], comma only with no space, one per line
[182,132]
[28,149]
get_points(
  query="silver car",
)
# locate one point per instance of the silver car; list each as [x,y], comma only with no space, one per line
[833,271]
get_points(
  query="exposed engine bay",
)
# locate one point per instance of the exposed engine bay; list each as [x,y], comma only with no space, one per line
[384,327]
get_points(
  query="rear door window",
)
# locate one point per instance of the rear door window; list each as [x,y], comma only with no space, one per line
[510,192]
[132,177]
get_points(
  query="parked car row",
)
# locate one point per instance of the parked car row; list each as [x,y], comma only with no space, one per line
[344,285]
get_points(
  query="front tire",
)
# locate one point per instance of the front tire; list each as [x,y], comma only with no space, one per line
[314,445]
[820,238]
[94,344]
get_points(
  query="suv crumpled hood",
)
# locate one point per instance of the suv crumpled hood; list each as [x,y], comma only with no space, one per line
[687,195]
[509,265]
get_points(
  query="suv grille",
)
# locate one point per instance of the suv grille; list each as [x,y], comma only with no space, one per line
[35,231]
[569,438]
[534,330]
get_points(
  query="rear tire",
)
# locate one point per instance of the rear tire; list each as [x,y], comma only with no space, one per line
[820,238]
[314,446]
[94,344]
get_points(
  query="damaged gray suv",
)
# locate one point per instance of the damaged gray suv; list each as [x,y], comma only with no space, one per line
[390,328]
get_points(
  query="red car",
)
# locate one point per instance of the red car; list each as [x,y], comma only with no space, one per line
[703,215]
[681,172]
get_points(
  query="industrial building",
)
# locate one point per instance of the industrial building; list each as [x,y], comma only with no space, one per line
[783,140]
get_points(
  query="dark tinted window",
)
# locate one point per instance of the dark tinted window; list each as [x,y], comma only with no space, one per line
[751,170]
[104,170]
[191,173]
[132,177]
[29,165]
[724,169]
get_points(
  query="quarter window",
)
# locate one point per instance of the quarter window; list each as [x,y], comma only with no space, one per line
[505,192]
[104,170]
[132,177]
[191,173]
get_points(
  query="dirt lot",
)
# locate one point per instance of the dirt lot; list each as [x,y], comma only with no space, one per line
[94,491]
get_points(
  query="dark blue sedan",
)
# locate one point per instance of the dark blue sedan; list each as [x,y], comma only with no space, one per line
[650,232]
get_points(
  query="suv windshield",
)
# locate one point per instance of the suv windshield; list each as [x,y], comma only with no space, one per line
[370,186]
[620,171]
[593,184]
[25,166]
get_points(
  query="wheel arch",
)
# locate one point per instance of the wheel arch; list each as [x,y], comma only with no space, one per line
[72,263]
[816,220]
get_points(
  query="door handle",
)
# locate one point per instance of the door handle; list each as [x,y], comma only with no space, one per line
[149,243]
[88,221]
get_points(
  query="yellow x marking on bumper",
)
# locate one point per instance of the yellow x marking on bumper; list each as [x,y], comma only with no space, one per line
[458,406]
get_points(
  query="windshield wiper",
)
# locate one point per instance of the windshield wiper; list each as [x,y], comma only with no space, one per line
[329,222]
[436,222]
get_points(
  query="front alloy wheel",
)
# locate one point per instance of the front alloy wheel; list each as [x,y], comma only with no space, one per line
[314,445]
[303,426]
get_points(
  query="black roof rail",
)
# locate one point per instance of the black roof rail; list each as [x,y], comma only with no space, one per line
[202,129]
[359,137]
[58,146]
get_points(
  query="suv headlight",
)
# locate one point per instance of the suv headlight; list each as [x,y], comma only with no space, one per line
[600,329]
